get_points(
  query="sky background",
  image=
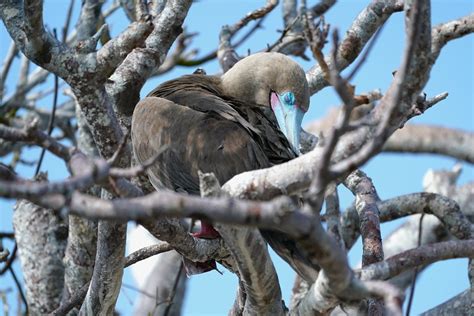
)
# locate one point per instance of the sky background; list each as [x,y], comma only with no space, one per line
[392,174]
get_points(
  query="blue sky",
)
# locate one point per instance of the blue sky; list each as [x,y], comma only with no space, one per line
[392,174]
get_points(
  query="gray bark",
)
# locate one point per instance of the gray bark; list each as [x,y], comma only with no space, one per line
[41,238]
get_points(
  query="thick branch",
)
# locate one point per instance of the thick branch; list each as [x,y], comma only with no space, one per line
[461,304]
[117,49]
[366,205]
[25,26]
[138,66]
[445,209]
[41,237]
[425,139]
[255,268]
[446,32]
[108,270]
[421,256]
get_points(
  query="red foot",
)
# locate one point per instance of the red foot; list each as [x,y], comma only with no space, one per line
[207,231]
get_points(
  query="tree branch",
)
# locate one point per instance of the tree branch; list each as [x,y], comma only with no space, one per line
[445,209]
[41,237]
[443,33]
[421,256]
[357,37]
[461,304]
[425,139]
[255,268]
[366,205]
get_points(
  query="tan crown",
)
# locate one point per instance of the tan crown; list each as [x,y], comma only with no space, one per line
[252,79]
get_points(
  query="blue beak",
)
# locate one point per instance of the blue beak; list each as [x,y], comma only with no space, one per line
[289,117]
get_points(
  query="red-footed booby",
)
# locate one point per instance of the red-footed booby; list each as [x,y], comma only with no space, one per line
[249,118]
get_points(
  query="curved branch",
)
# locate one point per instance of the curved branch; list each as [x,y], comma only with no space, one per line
[358,35]
[31,134]
[421,256]
[139,65]
[24,22]
[78,296]
[249,250]
[461,304]
[366,205]
[226,52]
[425,139]
[443,33]
[445,209]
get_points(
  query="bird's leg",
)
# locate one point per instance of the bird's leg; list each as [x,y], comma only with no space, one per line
[207,231]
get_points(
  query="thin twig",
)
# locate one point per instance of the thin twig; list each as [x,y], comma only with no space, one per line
[415,272]
[134,288]
[283,34]
[322,174]
[67,22]
[391,101]
[7,235]
[10,260]
[210,56]
[173,290]
[121,146]
[51,118]
[20,290]
[12,52]
[316,35]
[366,54]
[138,169]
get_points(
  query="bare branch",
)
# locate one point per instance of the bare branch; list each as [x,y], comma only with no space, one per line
[366,205]
[425,139]
[88,22]
[461,304]
[421,256]
[133,258]
[226,53]
[255,268]
[41,246]
[445,209]
[116,50]
[108,269]
[139,65]
[446,32]
[357,37]
[12,52]
[406,86]
[322,7]
[67,21]
[25,26]
[33,135]
[146,252]
[167,284]
[333,215]
[194,249]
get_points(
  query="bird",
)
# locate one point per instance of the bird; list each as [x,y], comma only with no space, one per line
[248,118]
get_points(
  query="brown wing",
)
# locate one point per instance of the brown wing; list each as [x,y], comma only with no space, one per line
[197,140]
[203,94]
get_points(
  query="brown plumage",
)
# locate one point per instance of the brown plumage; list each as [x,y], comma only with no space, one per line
[223,125]
[207,131]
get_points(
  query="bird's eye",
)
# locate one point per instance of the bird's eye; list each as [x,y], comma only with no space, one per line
[289,98]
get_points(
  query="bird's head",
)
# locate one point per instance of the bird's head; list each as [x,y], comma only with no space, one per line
[274,80]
